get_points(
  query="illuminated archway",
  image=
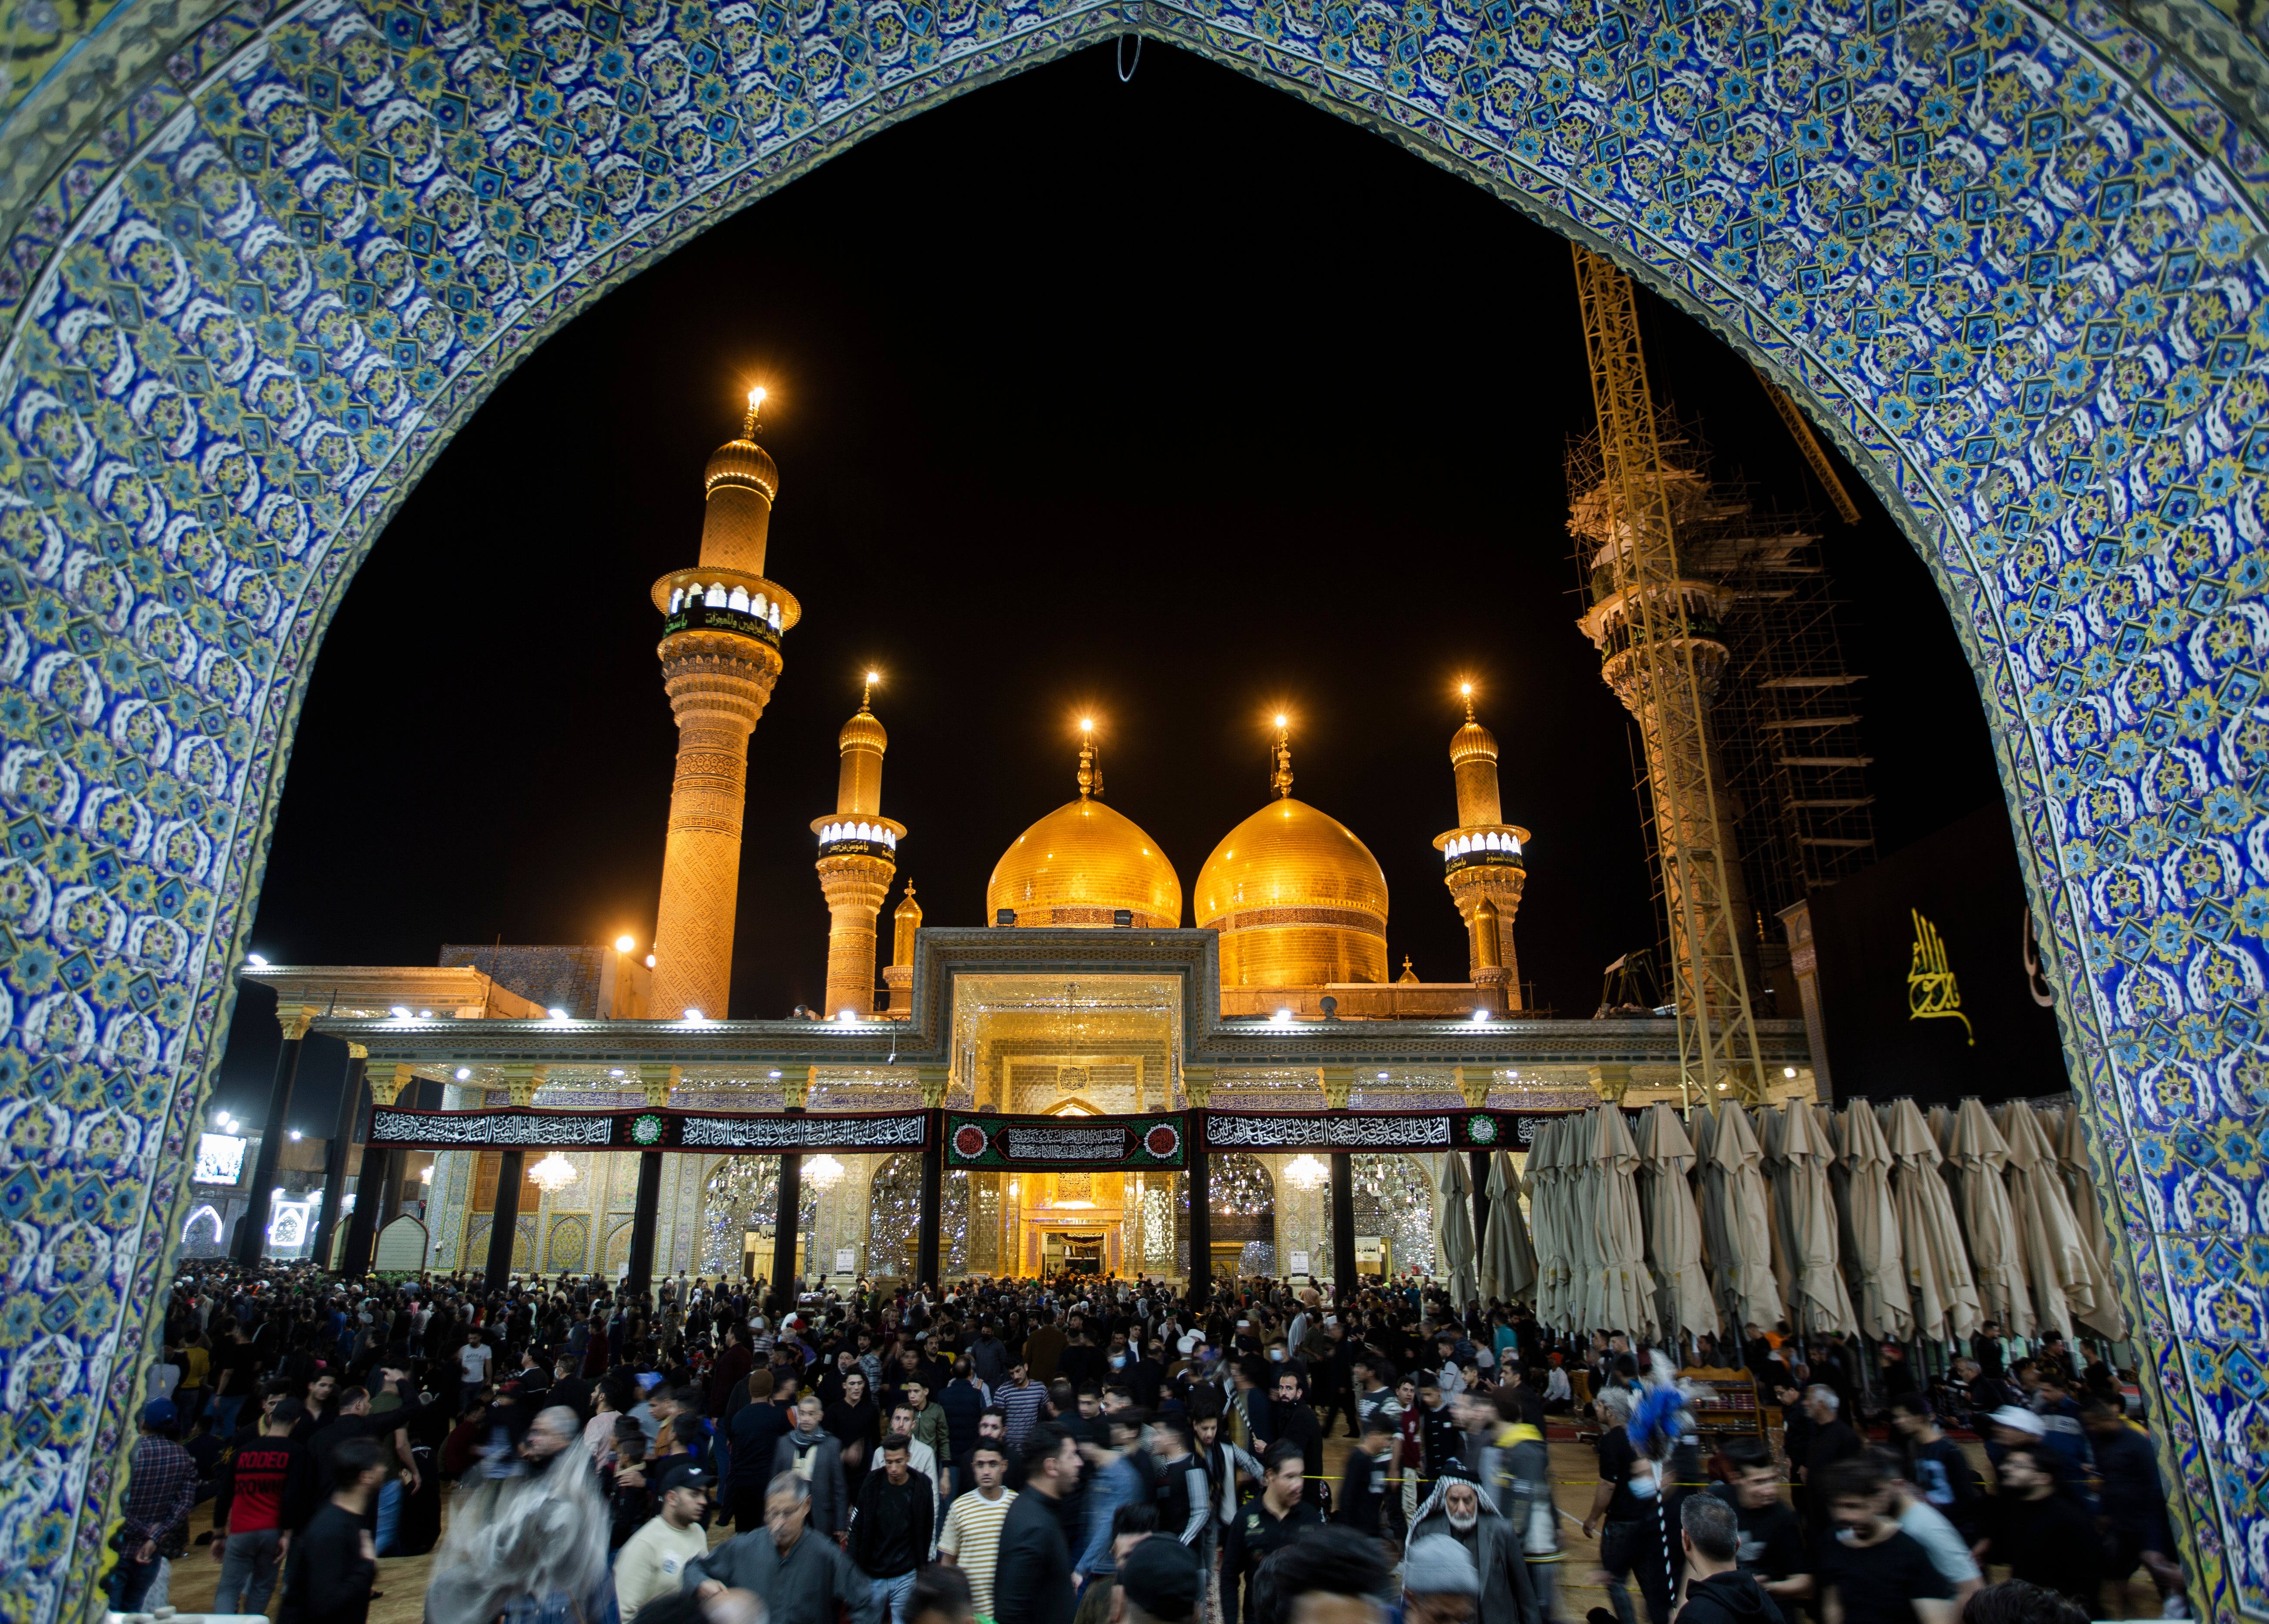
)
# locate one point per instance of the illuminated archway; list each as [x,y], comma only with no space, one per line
[260,265]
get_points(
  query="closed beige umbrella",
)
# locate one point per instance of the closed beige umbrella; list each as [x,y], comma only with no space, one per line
[1585,1261]
[1753,1293]
[2056,1261]
[1771,1128]
[1625,1295]
[1674,1228]
[1821,1304]
[2105,1314]
[1872,1257]
[1458,1251]
[1710,1201]
[1939,1285]
[1540,1181]
[1508,1265]
[1567,1251]
[1980,1156]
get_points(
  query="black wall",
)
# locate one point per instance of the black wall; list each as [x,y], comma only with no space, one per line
[1965,880]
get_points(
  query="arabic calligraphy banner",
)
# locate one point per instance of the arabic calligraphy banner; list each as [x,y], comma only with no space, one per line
[734,1133]
[1322,1131]
[1132,1143]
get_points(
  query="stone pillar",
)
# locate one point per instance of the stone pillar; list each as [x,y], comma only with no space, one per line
[362,1227]
[1197,1084]
[646,1213]
[336,1153]
[1475,1090]
[795,1091]
[252,1228]
[935,1079]
[1343,1264]
[504,1225]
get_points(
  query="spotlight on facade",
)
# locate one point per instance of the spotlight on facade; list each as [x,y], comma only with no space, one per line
[772,1073]
[846,1015]
[464,1073]
[295,1134]
[556,1014]
[623,944]
[400,1012]
[1788,1071]
[253,958]
[692,1015]
[1283,1017]
[1481,1014]
[649,961]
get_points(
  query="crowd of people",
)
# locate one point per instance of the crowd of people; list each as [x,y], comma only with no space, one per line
[1089,1451]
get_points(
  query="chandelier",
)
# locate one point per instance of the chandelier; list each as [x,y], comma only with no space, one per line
[1241,1185]
[1306,1173]
[553,1174]
[823,1172]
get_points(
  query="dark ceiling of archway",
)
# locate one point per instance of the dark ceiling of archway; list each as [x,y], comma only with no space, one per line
[1177,399]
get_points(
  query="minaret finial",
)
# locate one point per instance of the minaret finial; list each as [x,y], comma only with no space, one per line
[1465,690]
[1281,779]
[1091,776]
[866,694]
[748,425]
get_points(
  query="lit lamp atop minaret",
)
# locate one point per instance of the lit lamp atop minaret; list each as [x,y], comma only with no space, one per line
[858,858]
[1483,858]
[720,655]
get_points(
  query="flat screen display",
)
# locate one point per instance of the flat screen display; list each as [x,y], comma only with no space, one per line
[220,1158]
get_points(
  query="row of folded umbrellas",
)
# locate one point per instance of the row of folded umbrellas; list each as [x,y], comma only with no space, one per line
[1879,1218]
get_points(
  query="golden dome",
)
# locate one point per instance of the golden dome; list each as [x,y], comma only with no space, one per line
[1298,899]
[1081,864]
[1470,741]
[743,462]
[863,731]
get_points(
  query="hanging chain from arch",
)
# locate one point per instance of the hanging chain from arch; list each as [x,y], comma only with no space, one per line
[1665,674]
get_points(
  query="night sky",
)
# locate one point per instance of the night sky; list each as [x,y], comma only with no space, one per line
[1177,400]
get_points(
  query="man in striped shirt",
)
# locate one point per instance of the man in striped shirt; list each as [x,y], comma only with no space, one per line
[1020,1399]
[972,1540]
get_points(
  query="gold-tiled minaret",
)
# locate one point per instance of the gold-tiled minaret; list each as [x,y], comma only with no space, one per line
[720,653]
[899,976]
[1484,857]
[858,858]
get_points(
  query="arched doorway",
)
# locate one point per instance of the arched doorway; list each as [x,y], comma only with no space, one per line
[1242,1192]
[741,1199]
[894,1220]
[2003,257]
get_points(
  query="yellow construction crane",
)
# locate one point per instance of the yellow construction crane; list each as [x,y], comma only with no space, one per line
[1815,453]
[1655,630]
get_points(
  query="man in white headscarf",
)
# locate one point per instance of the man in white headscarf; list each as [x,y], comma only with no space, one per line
[528,1542]
[1462,1511]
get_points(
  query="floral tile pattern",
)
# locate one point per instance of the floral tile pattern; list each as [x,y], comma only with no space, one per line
[2008,255]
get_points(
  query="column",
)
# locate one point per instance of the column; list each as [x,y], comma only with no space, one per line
[362,1227]
[252,1233]
[336,1153]
[646,1213]
[1343,1265]
[1197,1083]
[1475,1091]
[934,1083]
[795,1091]
[504,1225]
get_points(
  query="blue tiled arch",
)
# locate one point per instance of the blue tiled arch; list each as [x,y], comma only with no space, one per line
[256,274]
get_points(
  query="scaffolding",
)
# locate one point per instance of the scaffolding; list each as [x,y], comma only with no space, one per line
[1653,618]
[1783,711]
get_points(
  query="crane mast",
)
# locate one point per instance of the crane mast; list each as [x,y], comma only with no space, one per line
[1656,633]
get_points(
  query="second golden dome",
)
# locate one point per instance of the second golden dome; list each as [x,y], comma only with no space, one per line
[1298,899]
[1078,865]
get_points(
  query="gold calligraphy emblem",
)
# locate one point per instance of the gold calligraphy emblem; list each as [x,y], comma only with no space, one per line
[1930,991]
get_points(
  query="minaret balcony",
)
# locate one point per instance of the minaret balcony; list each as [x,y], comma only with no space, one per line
[720,600]
[859,837]
[1495,845]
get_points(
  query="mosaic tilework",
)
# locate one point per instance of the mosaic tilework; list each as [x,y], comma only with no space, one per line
[2005,255]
